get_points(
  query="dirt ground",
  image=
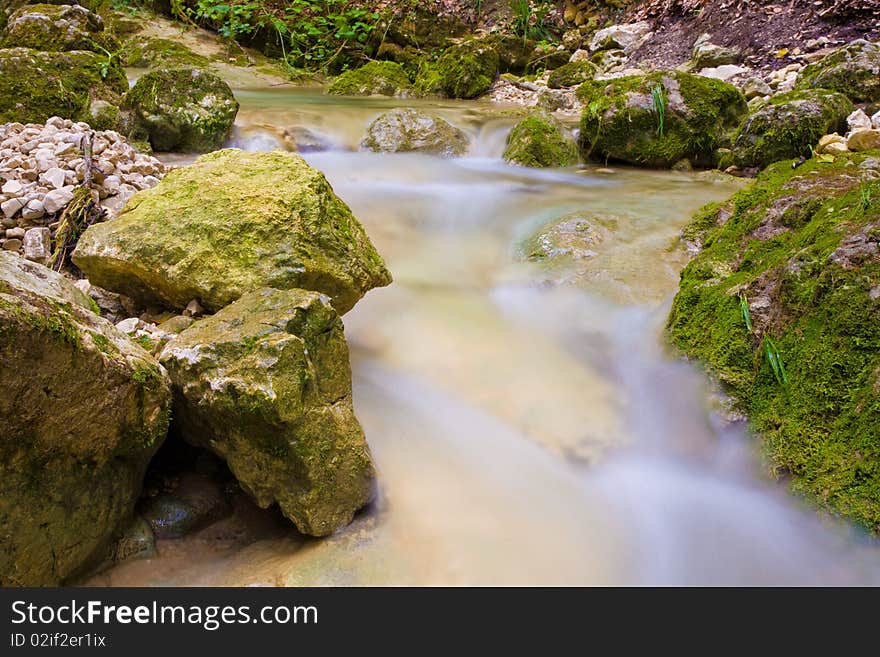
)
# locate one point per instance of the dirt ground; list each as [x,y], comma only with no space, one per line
[759,29]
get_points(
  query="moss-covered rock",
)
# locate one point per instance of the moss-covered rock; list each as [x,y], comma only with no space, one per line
[539,140]
[266,384]
[35,85]
[428,80]
[84,409]
[853,70]
[230,223]
[154,52]
[468,69]
[182,109]
[800,249]
[53,28]
[571,74]
[373,78]
[659,118]
[788,126]
[405,130]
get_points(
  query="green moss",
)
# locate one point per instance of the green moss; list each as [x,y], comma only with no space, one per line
[383,78]
[37,85]
[538,141]
[801,246]
[428,81]
[160,53]
[571,74]
[853,70]
[50,27]
[621,121]
[788,126]
[467,70]
[182,109]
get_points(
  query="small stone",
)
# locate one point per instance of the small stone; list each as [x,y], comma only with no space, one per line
[864,140]
[57,199]
[129,325]
[54,177]
[12,245]
[15,233]
[13,188]
[11,207]
[176,324]
[38,244]
[33,210]
[858,120]
[193,309]
[83,285]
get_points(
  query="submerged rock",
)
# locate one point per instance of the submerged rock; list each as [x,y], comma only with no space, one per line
[36,85]
[403,130]
[799,248]
[265,384]
[659,118]
[788,126]
[373,78]
[853,70]
[539,140]
[181,109]
[84,409]
[230,223]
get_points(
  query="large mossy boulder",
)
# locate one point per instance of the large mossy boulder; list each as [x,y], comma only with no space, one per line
[182,109]
[36,85]
[853,70]
[799,249]
[84,408]
[266,384]
[372,79]
[539,140]
[52,27]
[406,130]
[658,119]
[468,69]
[228,224]
[572,74]
[787,126]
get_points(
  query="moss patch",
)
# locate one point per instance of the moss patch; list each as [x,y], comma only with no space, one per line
[659,118]
[801,247]
[787,127]
[539,141]
[467,70]
[374,78]
[571,74]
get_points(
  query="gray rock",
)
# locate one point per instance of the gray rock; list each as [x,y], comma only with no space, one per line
[57,199]
[403,130]
[37,245]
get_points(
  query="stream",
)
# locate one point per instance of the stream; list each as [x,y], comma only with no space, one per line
[528,424]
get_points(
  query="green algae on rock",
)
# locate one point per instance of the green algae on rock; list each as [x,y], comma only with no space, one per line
[800,248]
[36,85]
[84,409]
[51,27]
[374,78]
[230,223]
[155,52]
[853,70]
[468,69]
[788,126]
[266,384]
[572,74]
[182,109]
[406,130]
[659,118]
[539,140]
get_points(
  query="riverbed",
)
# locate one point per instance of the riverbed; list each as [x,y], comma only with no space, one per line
[528,423]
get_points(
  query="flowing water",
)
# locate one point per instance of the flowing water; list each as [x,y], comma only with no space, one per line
[528,425]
